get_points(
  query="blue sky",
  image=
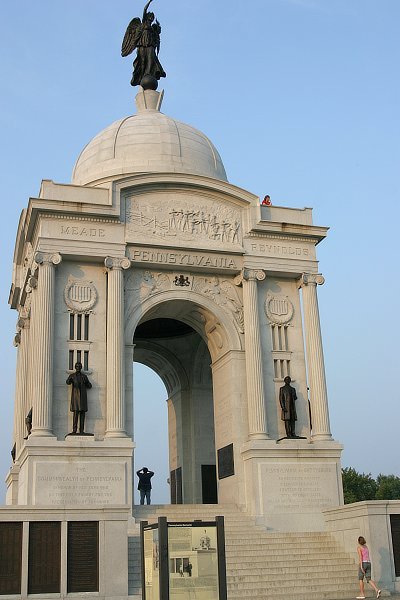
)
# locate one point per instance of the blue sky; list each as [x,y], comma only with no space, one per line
[301,97]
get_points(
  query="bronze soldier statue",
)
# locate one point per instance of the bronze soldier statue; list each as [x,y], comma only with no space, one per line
[287,399]
[80,383]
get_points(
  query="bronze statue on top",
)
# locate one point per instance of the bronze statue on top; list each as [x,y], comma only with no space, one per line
[144,35]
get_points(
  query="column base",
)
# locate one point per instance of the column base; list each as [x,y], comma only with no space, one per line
[322,437]
[259,436]
[116,433]
[41,433]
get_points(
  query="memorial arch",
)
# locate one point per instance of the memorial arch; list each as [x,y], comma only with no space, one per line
[151,239]
[182,336]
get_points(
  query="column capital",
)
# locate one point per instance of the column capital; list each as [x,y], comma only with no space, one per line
[117,263]
[311,278]
[23,322]
[43,258]
[17,340]
[249,275]
[31,284]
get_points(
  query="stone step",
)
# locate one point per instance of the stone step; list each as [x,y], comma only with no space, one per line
[265,565]
[289,571]
[297,580]
[251,551]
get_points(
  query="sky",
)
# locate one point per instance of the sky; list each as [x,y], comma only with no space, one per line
[301,98]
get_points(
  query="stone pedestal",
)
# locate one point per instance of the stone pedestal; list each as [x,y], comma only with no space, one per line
[291,482]
[79,471]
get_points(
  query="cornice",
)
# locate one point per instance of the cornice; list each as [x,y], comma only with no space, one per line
[79,218]
[275,236]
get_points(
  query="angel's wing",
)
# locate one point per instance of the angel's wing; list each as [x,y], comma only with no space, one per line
[131,36]
[157,30]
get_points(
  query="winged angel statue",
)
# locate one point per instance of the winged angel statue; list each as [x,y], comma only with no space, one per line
[144,35]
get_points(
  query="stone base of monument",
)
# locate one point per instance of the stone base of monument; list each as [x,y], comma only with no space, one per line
[78,471]
[290,484]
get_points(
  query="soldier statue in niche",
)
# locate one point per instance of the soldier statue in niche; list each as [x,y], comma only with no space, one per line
[79,406]
[287,400]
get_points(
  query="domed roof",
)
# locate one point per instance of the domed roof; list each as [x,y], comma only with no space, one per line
[147,142]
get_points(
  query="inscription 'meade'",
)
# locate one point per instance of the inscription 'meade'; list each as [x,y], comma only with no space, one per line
[84,232]
[184,259]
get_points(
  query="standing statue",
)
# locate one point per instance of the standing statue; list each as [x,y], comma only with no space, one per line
[79,382]
[287,399]
[144,35]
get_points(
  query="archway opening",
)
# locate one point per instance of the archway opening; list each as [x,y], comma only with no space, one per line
[151,431]
[180,357]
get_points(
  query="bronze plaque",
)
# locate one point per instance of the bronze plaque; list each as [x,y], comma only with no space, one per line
[176,486]
[226,466]
[44,562]
[395,527]
[83,556]
[10,558]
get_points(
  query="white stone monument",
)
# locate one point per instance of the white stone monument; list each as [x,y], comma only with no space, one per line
[150,254]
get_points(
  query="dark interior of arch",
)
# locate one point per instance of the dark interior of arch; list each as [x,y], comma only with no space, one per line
[162,328]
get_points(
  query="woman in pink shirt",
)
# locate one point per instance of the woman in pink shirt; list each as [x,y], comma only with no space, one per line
[364,569]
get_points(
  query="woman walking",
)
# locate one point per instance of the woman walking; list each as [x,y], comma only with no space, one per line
[364,569]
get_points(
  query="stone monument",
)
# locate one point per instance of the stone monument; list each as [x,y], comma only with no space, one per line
[150,254]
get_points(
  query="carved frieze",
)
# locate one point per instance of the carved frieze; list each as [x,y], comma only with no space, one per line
[224,294]
[80,296]
[221,291]
[199,222]
[279,309]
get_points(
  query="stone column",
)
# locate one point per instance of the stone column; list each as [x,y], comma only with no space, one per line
[21,341]
[43,315]
[315,357]
[115,347]
[254,370]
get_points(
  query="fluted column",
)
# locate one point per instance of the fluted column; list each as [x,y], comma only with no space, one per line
[315,357]
[21,341]
[254,370]
[115,347]
[44,344]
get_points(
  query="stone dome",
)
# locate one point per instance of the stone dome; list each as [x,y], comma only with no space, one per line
[148,141]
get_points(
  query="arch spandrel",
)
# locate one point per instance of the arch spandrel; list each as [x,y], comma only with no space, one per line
[214,324]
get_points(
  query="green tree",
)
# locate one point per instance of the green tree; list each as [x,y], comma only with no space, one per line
[388,487]
[358,486]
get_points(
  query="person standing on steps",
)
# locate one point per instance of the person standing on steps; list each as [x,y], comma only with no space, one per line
[144,485]
[364,569]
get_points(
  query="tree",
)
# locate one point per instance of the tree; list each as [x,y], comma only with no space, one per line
[388,487]
[358,486]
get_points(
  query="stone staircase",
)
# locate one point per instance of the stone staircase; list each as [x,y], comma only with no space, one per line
[260,564]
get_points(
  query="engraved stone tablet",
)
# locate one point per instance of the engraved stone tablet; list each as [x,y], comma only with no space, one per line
[226,467]
[92,484]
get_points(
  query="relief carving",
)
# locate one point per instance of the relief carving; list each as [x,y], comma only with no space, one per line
[148,283]
[80,296]
[279,309]
[205,222]
[224,294]
[221,291]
